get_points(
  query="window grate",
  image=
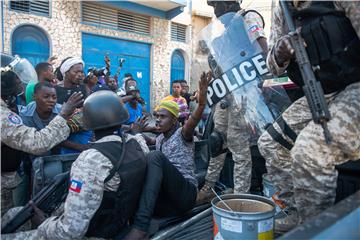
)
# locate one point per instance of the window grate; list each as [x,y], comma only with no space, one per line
[41,7]
[113,18]
[178,32]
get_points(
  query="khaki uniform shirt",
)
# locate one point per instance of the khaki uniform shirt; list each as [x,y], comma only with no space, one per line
[18,136]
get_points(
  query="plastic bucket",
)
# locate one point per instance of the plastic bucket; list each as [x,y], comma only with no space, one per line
[268,187]
[252,217]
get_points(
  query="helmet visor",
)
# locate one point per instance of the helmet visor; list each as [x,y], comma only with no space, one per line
[24,70]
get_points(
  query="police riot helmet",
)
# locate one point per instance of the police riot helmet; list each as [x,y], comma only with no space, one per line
[104,109]
[224,6]
[20,66]
[14,70]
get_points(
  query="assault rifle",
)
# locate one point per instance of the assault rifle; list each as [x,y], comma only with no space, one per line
[312,88]
[48,199]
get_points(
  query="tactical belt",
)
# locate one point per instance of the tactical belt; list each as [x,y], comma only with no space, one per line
[275,135]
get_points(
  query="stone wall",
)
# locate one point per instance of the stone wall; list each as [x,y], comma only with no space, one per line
[64,30]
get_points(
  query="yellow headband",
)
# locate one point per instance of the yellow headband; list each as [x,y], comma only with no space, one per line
[171,106]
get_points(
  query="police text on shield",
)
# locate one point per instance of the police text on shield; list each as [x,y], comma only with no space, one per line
[245,72]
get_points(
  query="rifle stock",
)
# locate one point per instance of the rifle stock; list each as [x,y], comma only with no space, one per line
[48,199]
[312,88]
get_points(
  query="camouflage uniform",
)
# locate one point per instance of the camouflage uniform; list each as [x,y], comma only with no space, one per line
[232,124]
[306,176]
[90,169]
[18,136]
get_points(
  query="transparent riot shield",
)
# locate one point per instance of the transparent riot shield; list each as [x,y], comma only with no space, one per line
[239,70]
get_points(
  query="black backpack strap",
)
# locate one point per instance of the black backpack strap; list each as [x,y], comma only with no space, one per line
[254,11]
[286,129]
[114,151]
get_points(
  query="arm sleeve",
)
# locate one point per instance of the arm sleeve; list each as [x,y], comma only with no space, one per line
[140,139]
[277,31]
[18,136]
[254,26]
[88,172]
[352,11]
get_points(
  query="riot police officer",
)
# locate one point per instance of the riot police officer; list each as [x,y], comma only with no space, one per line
[229,113]
[302,164]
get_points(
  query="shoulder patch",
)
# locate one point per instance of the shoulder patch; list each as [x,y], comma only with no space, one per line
[14,119]
[75,185]
[254,28]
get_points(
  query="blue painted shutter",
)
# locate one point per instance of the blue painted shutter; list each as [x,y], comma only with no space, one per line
[177,66]
[31,43]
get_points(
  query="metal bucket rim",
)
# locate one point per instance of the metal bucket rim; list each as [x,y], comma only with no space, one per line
[243,196]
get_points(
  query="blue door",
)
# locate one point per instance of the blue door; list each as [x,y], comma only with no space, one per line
[30,42]
[136,55]
[177,66]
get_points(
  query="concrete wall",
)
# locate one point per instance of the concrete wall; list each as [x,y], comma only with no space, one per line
[64,30]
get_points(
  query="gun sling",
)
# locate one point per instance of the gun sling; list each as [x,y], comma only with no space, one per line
[276,136]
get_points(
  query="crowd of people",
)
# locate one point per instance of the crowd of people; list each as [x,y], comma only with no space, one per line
[55,111]
[100,114]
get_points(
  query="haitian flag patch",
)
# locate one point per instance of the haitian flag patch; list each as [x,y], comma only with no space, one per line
[254,28]
[75,185]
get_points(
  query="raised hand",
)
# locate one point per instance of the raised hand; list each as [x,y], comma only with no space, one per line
[74,101]
[107,61]
[52,60]
[140,124]
[203,86]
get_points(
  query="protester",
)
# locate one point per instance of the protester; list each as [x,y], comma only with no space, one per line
[128,83]
[111,83]
[133,106]
[37,114]
[176,97]
[43,109]
[122,91]
[72,71]
[91,80]
[44,71]
[185,91]
[170,186]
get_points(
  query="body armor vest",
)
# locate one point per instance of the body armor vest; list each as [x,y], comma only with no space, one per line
[118,207]
[10,158]
[332,45]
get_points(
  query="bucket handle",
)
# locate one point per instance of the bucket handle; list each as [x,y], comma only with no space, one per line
[212,189]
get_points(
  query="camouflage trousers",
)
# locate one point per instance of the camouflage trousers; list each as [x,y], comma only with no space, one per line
[306,176]
[232,124]
[9,181]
